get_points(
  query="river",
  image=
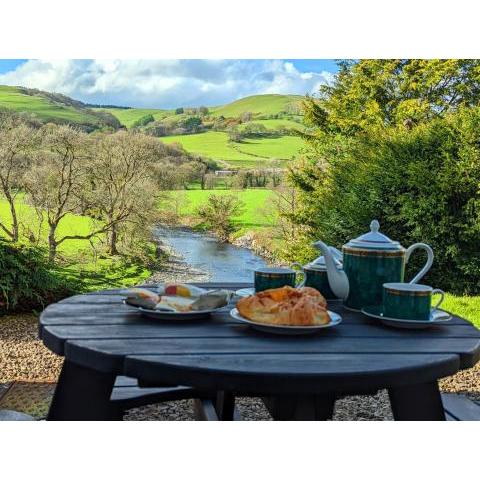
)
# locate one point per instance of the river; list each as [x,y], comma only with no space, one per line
[222,261]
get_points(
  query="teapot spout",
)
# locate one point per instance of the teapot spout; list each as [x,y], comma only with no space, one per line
[337,278]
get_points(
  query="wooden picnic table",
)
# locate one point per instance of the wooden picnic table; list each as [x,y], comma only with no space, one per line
[299,377]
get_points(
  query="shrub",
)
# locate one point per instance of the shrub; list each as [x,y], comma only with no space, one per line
[421,184]
[142,121]
[27,280]
[217,213]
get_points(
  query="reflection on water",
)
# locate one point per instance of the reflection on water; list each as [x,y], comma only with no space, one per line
[225,262]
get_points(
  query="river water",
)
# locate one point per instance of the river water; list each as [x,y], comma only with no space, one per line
[224,262]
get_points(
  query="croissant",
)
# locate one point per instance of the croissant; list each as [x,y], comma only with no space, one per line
[286,306]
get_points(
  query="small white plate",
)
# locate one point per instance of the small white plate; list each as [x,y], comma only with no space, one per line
[245,292]
[172,316]
[438,317]
[287,329]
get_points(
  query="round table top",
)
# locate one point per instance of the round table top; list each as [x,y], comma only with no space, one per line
[98,331]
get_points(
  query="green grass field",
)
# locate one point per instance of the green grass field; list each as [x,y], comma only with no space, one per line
[281,148]
[12,98]
[257,104]
[78,257]
[255,200]
[251,152]
[273,124]
[128,116]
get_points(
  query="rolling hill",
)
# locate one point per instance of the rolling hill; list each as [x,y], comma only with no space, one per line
[128,116]
[50,107]
[259,105]
[277,113]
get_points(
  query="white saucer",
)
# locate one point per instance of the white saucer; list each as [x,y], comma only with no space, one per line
[287,329]
[437,317]
[245,292]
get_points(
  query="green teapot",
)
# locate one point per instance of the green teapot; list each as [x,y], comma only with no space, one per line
[368,262]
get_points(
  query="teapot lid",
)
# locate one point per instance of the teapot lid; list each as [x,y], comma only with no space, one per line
[317,264]
[374,240]
[320,264]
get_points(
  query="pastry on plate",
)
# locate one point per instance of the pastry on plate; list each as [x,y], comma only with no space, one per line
[286,306]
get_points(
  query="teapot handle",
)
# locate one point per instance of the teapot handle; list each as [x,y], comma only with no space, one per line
[427,266]
[302,271]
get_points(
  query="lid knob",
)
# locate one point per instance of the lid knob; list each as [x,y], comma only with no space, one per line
[374,226]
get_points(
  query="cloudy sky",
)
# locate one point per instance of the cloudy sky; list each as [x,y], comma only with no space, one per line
[167,83]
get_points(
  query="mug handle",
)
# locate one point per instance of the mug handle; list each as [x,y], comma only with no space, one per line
[442,297]
[302,283]
[427,266]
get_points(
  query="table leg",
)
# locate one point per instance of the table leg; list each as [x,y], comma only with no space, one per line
[225,405]
[304,407]
[417,402]
[83,394]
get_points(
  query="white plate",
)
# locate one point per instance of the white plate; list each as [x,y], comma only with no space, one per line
[174,316]
[287,329]
[245,292]
[438,317]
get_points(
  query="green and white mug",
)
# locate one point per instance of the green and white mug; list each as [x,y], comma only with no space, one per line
[273,277]
[409,301]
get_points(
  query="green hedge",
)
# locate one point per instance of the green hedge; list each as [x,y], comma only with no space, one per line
[423,185]
[27,280]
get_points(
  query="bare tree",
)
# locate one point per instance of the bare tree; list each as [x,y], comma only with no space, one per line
[55,183]
[16,143]
[122,175]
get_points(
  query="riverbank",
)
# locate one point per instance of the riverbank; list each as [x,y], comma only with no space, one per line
[176,269]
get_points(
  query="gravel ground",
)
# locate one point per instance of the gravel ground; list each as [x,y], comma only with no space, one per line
[24,358]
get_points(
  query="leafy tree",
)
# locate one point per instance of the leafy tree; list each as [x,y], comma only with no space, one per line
[191,124]
[203,110]
[381,93]
[218,212]
[179,111]
[142,121]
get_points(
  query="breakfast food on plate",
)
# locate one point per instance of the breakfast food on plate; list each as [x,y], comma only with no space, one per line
[175,304]
[181,290]
[178,298]
[141,297]
[286,306]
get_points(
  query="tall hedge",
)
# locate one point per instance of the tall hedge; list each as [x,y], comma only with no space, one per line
[422,184]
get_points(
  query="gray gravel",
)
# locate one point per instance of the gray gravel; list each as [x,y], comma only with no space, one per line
[176,270]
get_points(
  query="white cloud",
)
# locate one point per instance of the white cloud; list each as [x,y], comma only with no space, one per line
[164,83]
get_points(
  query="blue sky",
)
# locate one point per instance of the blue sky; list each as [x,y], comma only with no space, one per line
[168,83]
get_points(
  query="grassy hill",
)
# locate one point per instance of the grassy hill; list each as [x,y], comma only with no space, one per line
[48,107]
[259,105]
[128,116]
[249,153]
